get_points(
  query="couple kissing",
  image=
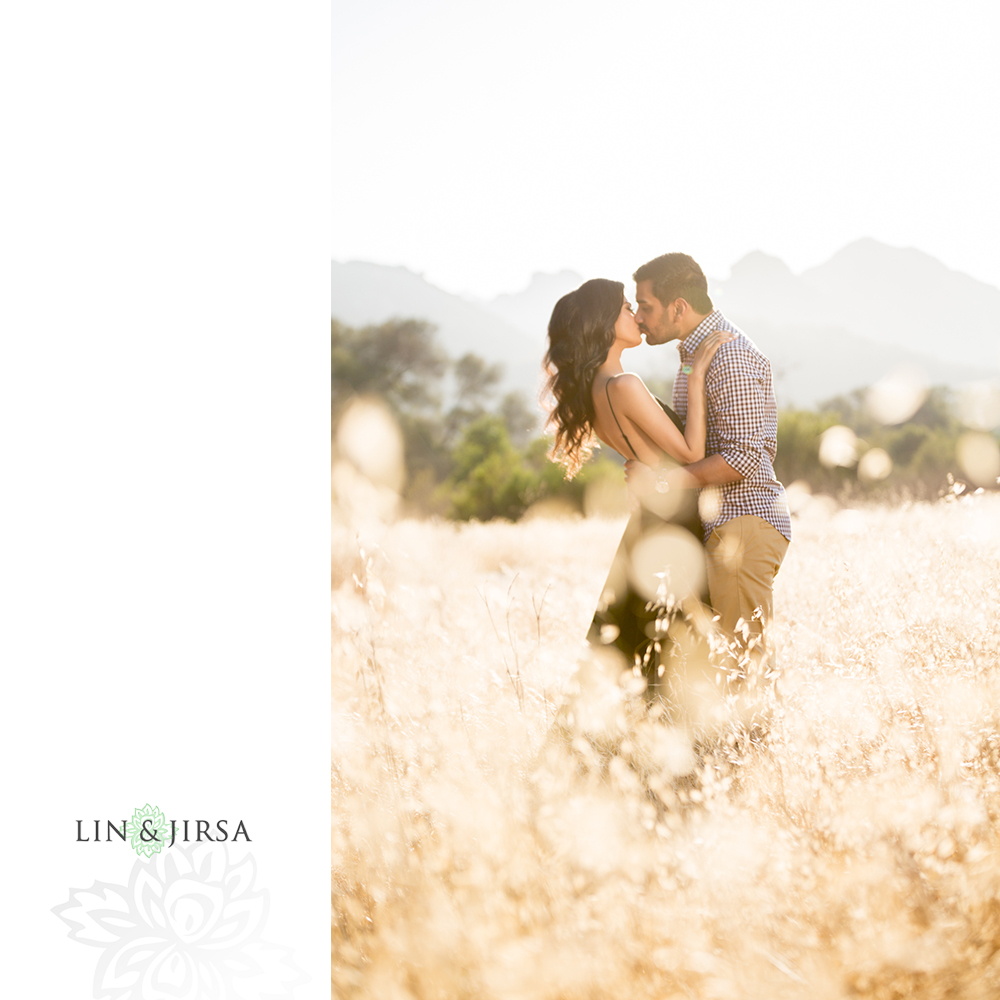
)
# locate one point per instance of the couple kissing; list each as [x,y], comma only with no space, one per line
[690,590]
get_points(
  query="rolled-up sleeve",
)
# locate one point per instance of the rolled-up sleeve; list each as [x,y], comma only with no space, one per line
[736,392]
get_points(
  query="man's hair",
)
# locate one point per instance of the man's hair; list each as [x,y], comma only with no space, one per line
[677,276]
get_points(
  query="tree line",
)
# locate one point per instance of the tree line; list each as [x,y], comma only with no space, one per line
[471,452]
[922,451]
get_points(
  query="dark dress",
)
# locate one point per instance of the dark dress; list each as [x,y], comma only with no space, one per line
[659,566]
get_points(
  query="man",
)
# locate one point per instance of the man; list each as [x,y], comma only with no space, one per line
[745,512]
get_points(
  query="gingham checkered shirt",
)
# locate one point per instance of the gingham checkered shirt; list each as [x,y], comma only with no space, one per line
[742,424]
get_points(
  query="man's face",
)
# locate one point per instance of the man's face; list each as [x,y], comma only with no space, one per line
[658,322]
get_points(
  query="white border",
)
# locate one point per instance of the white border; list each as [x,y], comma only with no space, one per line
[164,436]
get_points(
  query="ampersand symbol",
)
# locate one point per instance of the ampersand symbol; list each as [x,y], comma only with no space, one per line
[145,830]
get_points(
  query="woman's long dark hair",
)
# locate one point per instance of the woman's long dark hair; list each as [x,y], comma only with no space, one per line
[581,332]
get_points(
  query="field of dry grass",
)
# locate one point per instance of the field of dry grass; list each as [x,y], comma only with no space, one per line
[854,853]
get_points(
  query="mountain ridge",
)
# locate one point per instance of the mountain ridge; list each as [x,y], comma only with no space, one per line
[831,329]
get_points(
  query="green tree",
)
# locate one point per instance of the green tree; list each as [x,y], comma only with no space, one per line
[520,418]
[398,360]
[489,478]
[902,443]
[401,362]
[799,434]
[475,385]
[475,379]
[938,411]
[922,449]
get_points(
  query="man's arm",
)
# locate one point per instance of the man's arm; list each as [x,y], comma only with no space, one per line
[711,471]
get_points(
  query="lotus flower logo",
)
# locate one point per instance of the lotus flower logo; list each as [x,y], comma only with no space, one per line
[187,927]
[150,830]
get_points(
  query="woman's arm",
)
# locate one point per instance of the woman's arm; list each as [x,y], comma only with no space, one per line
[633,400]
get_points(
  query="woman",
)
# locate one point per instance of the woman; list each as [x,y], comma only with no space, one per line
[659,567]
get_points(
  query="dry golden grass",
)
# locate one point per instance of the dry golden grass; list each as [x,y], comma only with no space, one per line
[853,854]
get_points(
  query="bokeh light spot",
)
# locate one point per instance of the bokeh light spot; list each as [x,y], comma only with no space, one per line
[979,405]
[979,457]
[368,437]
[875,464]
[838,446]
[895,397]
[671,556]
[709,503]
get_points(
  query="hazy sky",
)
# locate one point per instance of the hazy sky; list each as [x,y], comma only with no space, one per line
[478,143]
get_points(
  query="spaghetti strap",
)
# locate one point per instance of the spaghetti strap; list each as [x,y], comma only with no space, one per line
[607,393]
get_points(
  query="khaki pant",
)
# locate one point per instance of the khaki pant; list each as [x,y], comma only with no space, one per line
[744,556]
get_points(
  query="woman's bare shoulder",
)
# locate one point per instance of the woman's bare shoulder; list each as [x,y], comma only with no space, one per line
[627,385]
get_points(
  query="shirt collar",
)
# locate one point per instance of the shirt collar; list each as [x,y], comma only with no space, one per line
[690,343]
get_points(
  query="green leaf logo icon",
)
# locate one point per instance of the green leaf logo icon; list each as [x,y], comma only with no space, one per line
[150,830]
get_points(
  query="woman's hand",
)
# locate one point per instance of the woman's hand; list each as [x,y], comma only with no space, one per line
[706,351]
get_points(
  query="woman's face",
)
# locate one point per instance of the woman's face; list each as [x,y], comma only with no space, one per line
[626,329]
